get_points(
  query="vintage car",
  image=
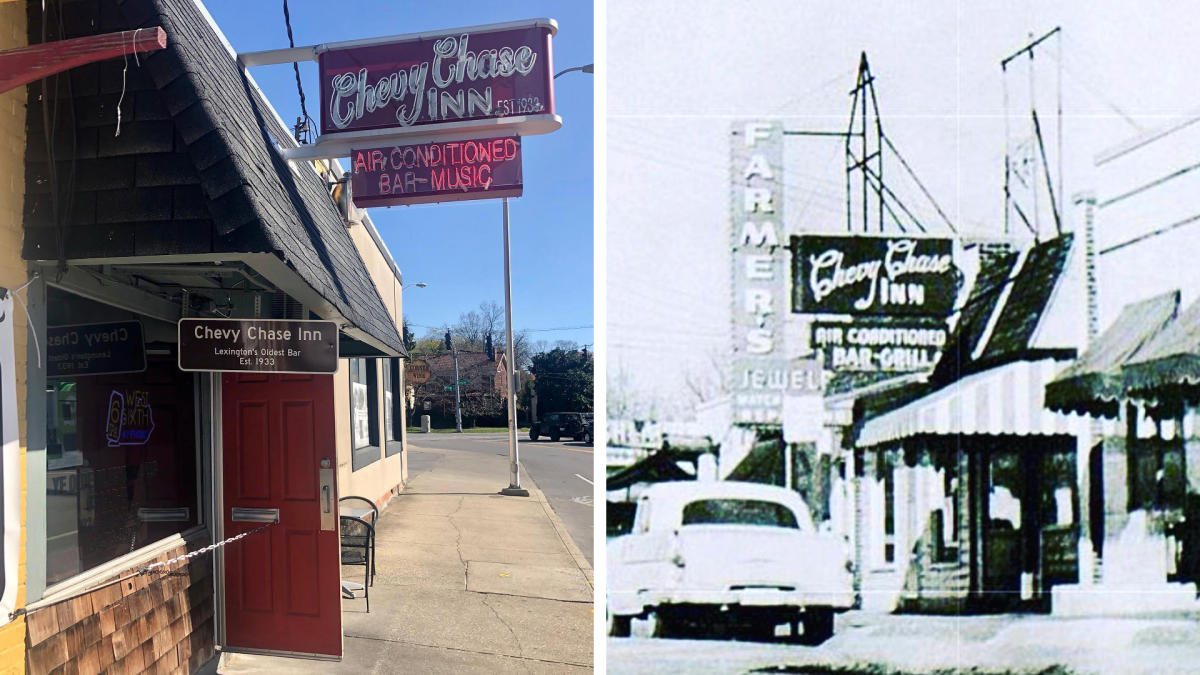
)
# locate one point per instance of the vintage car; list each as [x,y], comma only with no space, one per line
[722,555]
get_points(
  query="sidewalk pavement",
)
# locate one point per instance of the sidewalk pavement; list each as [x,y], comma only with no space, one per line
[467,581]
[916,644]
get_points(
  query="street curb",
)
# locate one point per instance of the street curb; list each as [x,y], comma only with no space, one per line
[561,529]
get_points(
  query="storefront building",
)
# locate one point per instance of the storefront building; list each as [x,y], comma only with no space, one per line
[1136,383]
[181,207]
[1132,385]
[965,491]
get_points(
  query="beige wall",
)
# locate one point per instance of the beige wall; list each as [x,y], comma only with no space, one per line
[378,480]
[13,275]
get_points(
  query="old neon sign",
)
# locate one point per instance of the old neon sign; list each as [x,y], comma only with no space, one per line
[872,346]
[495,71]
[890,276]
[763,376]
[437,172]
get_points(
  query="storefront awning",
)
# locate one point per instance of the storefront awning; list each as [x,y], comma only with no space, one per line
[1093,384]
[1169,360]
[659,467]
[192,175]
[1008,400]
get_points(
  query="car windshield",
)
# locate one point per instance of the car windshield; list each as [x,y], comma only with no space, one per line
[738,512]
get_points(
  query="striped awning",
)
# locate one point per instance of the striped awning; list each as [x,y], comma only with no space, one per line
[1006,400]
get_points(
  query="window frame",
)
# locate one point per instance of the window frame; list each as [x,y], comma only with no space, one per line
[393,383]
[365,455]
[40,593]
[10,444]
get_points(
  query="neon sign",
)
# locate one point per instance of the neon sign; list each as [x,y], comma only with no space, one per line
[486,72]
[128,423]
[437,172]
[895,276]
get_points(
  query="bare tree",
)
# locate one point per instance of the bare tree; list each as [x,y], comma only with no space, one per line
[523,350]
[566,345]
[709,383]
[473,326]
[469,329]
[491,318]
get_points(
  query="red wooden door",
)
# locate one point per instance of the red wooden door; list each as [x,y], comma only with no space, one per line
[281,585]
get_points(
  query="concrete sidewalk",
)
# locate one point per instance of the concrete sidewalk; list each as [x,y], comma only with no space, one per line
[468,581]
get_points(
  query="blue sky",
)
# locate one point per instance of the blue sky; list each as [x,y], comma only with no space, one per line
[456,248]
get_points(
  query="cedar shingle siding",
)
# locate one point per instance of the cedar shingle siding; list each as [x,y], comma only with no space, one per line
[151,623]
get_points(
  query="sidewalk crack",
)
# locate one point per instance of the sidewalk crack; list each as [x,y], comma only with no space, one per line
[513,633]
[458,539]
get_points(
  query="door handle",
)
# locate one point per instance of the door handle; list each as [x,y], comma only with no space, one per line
[245,514]
[328,516]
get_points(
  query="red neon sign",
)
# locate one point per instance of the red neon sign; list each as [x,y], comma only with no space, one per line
[441,171]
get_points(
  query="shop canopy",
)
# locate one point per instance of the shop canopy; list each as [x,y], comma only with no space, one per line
[1170,361]
[1094,385]
[659,467]
[1007,400]
[991,376]
[189,173]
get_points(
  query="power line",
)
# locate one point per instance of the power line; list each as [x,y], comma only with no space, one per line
[302,130]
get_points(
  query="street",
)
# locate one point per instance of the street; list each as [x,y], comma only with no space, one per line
[900,644]
[562,470]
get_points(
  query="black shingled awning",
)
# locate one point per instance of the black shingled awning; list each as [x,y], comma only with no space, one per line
[1093,384]
[195,175]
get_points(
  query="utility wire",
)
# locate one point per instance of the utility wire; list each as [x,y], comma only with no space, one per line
[303,130]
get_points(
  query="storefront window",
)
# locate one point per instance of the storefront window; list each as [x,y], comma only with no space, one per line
[364,413]
[393,408]
[945,519]
[887,473]
[121,453]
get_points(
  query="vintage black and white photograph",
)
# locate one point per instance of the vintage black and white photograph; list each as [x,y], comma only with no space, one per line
[903,338]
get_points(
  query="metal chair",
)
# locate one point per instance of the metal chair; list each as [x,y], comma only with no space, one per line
[362,513]
[358,548]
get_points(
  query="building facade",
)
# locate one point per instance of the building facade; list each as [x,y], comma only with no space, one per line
[119,225]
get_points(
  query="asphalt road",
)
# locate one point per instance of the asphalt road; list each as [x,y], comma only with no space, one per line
[563,471]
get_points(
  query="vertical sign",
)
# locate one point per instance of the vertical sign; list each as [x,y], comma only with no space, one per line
[762,374]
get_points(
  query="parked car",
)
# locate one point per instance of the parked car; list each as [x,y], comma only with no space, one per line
[559,425]
[588,429]
[725,555]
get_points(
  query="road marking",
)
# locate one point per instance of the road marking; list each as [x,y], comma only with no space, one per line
[584,479]
[534,444]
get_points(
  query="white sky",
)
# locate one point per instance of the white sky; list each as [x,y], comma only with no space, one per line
[679,73]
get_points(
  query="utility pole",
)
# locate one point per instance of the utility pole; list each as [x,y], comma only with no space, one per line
[457,394]
[514,480]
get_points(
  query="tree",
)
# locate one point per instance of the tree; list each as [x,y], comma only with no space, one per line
[474,327]
[430,345]
[564,381]
[410,340]
[522,349]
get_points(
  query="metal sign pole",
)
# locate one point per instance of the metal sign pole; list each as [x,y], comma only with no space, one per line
[514,480]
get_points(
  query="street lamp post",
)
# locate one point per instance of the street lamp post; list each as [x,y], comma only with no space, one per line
[514,466]
[589,68]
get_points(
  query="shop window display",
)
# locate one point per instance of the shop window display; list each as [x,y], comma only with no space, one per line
[121,455]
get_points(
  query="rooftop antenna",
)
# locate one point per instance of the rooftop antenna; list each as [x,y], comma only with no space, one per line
[1011,205]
